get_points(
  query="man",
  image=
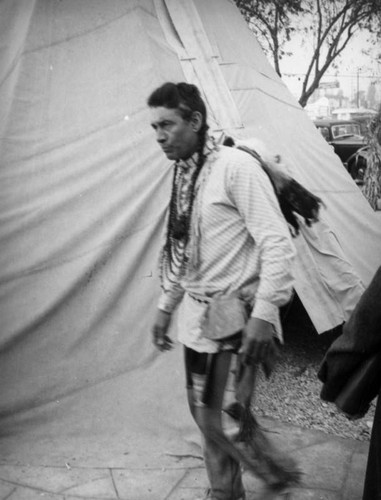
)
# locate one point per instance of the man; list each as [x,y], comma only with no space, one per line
[228,250]
[351,375]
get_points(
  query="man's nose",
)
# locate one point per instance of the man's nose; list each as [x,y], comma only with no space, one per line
[160,136]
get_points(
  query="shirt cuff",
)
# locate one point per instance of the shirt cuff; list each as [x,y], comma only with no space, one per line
[167,302]
[270,313]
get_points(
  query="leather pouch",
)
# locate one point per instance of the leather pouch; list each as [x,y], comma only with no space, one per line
[225,316]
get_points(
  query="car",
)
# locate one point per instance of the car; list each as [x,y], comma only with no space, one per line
[343,135]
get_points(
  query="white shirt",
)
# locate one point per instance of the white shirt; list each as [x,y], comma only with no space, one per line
[243,243]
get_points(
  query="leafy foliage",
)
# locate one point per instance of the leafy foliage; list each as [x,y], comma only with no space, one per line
[329,24]
[372,180]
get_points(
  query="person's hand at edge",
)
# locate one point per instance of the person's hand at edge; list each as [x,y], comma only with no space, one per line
[258,344]
[159,331]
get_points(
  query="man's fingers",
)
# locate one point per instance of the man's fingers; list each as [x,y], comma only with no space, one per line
[166,342]
[159,331]
[274,351]
[257,352]
[162,341]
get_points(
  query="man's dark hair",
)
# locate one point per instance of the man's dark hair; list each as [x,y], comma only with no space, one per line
[182,96]
[185,98]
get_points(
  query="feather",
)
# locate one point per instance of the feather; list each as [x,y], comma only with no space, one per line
[295,201]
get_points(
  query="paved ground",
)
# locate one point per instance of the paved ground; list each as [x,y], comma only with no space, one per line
[333,469]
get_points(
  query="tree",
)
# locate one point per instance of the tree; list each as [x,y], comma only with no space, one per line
[329,24]
[371,95]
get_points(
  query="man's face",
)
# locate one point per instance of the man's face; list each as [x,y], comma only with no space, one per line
[177,137]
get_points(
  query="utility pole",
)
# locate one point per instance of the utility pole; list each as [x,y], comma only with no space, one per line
[358,87]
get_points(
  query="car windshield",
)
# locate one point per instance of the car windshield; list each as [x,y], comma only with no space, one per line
[345,129]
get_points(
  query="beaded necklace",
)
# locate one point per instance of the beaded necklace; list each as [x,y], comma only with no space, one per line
[174,258]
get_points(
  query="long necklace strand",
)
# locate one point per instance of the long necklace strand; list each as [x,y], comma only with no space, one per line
[174,257]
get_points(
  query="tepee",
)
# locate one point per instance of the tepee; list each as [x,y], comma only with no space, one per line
[84,194]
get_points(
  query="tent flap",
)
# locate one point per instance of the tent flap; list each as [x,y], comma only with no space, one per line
[83,200]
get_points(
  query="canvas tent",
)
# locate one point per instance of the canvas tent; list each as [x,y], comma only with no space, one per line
[84,193]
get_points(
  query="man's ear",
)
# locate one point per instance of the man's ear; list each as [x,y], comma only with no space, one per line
[196,121]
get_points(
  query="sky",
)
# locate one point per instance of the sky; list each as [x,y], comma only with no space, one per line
[352,61]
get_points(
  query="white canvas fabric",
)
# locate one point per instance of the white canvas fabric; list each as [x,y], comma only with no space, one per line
[83,197]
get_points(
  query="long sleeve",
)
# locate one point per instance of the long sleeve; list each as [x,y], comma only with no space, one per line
[239,241]
[170,297]
[256,202]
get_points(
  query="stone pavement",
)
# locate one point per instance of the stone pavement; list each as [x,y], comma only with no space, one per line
[333,469]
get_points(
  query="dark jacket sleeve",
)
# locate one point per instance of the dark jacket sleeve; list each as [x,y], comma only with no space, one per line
[360,339]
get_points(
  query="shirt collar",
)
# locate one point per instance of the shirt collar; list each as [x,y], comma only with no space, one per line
[191,162]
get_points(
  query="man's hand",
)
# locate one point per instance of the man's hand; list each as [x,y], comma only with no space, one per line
[159,331]
[258,345]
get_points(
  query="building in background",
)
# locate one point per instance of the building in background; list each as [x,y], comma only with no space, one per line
[332,100]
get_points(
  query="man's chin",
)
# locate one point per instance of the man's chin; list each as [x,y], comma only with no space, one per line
[170,155]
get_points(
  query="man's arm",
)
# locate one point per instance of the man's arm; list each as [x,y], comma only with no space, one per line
[256,202]
[171,295]
[159,331]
